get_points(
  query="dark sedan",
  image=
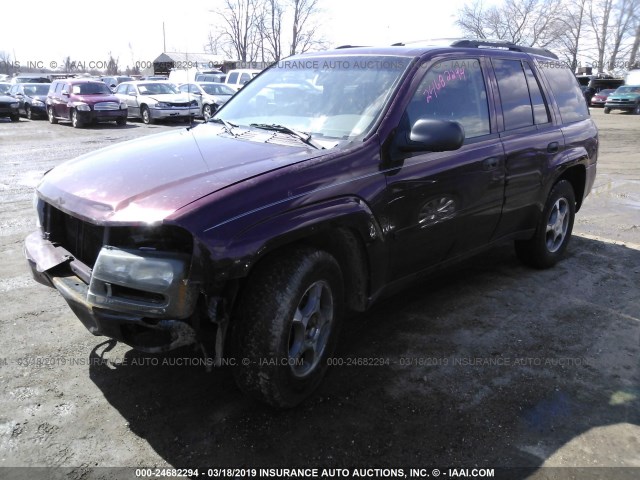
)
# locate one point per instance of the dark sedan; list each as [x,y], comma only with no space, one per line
[9,108]
[32,99]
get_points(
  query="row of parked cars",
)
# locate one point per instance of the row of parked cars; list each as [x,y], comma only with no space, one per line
[117,98]
[82,102]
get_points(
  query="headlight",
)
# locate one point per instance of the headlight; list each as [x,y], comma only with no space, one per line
[15,105]
[123,105]
[162,105]
[83,107]
[194,103]
[38,103]
[149,283]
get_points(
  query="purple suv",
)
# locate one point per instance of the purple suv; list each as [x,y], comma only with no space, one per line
[83,102]
[326,183]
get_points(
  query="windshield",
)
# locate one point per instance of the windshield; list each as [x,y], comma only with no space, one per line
[217,89]
[91,89]
[4,87]
[335,97]
[40,89]
[628,90]
[156,88]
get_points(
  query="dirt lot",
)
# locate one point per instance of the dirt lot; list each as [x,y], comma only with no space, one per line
[492,365]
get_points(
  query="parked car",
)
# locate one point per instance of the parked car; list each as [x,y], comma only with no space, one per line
[30,78]
[250,235]
[83,102]
[9,108]
[113,82]
[600,98]
[210,96]
[32,98]
[237,79]
[595,83]
[154,78]
[156,100]
[217,77]
[4,88]
[626,98]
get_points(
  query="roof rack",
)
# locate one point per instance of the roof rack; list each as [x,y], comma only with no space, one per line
[500,44]
[349,46]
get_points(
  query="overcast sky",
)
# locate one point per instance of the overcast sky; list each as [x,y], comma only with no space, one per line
[47,31]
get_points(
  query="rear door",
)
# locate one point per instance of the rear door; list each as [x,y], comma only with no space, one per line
[531,138]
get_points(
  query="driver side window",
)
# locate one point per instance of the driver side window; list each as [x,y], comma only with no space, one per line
[453,90]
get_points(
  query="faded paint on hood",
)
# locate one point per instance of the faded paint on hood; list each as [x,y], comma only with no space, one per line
[147,179]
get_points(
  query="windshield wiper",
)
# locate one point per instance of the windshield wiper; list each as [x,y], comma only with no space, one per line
[305,137]
[227,125]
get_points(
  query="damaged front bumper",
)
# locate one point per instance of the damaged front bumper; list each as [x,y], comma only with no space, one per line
[141,298]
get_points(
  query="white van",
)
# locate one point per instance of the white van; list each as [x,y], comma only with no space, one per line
[178,76]
[237,79]
[633,77]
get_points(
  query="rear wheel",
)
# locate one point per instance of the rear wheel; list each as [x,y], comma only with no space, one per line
[554,229]
[52,117]
[28,112]
[288,326]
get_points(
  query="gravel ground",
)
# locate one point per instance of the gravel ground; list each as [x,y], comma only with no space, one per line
[490,365]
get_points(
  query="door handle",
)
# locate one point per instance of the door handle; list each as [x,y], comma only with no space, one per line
[490,163]
[553,147]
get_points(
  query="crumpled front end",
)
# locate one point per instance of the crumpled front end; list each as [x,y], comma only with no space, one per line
[131,284]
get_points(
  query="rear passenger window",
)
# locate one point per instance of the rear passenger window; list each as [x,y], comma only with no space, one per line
[233,77]
[566,91]
[453,90]
[540,112]
[514,94]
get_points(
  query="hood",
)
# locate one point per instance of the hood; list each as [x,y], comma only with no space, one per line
[169,97]
[624,96]
[7,99]
[93,99]
[145,180]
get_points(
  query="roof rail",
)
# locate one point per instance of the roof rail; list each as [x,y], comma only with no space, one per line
[349,46]
[501,44]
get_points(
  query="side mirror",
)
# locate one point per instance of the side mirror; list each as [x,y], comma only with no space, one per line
[428,135]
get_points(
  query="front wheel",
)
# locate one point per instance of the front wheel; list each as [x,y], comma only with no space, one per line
[146,115]
[121,121]
[28,113]
[14,118]
[288,326]
[607,110]
[51,115]
[553,232]
[75,121]
[207,112]
[636,110]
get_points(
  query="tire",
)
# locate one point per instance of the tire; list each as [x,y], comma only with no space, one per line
[121,121]
[207,112]
[52,119]
[28,112]
[75,121]
[145,114]
[290,312]
[14,118]
[636,111]
[607,110]
[553,232]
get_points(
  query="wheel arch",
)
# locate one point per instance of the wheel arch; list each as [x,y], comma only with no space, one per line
[345,228]
[577,177]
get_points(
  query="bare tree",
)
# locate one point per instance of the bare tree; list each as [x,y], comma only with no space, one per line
[271,29]
[306,30]
[214,43]
[634,59]
[599,19]
[624,11]
[7,66]
[238,31]
[112,65]
[571,23]
[529,22]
